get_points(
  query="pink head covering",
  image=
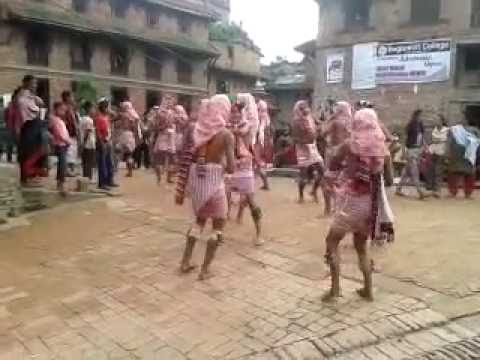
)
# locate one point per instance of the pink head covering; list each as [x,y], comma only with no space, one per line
[251,113]
[202,108]
[181,116]
[368,140]
[300,118]
[343,108]
[212,118]
[168,100]
[127,108]
[264,118]
[263,114]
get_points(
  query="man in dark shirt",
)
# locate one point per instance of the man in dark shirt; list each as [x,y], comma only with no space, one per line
[415,143]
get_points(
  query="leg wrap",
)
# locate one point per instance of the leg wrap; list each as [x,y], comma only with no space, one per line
[212,245]
[219,237]
[328,258]
[195,231]
[256,214]
[331,260]
[213,242]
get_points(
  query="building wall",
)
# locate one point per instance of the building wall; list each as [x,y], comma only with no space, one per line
[243,60]
[221,8]
[390,22]
[240,70]
[238,83]
[60,74]
[286,100]
[136,18]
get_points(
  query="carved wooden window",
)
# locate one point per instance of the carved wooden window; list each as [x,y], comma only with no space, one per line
[119,61]
[154,64]
[184,23]
[153,17]
[119,7]
[357,14]
[80,6]
[184,72]
[80,54]
[38,47]
[152,98]
[119,94]
[475,13]
[472,58]
[425,12]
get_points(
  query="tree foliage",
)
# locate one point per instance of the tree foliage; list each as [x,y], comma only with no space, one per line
[85,91]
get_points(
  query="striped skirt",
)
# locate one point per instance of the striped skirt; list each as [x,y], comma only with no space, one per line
[206,187]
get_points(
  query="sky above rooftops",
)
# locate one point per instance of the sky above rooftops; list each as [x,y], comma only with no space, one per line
[277,26]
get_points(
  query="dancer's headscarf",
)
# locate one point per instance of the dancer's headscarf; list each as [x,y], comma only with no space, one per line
[343,110]
[264,118]
[212,118]
[301,120]
[368,139]
[251,113]
[127,108]
[168,101]
[181,116]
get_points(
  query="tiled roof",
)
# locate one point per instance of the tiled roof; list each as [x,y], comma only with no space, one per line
[42,13]
[183,6]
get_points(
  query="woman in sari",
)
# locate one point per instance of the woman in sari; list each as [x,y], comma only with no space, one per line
[33,141]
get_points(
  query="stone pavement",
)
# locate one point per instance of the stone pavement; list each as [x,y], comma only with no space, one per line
[100,281]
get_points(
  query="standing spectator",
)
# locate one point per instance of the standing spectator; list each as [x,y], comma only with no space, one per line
[71,121]
[437,150]
[103,126]
[32,144]
[13,122]
[142,152]
[415,142]
[61,141]
[462,148]
[87,136]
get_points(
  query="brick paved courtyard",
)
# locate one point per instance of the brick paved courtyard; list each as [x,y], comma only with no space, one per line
[99,280]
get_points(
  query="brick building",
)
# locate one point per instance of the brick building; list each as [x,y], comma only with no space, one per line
[219,8]
[237,68]
[401,54]
[288,82]
[139,48]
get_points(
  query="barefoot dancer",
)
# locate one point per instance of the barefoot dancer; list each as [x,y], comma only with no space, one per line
[164,137]
[260,146]
[181,121]
[128,120]
[358,211]
[244,122]
[337,131]
[309,160]
[212,144]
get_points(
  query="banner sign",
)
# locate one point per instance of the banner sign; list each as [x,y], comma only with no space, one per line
[335,68]
[363,72]
[413,62]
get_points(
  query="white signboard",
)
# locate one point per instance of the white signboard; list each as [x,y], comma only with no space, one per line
[364,65]
[335,68]
[413,62]
[6,99]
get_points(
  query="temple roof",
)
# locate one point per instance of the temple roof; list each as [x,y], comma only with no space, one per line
[231,33]
[42,13]
[198,10]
